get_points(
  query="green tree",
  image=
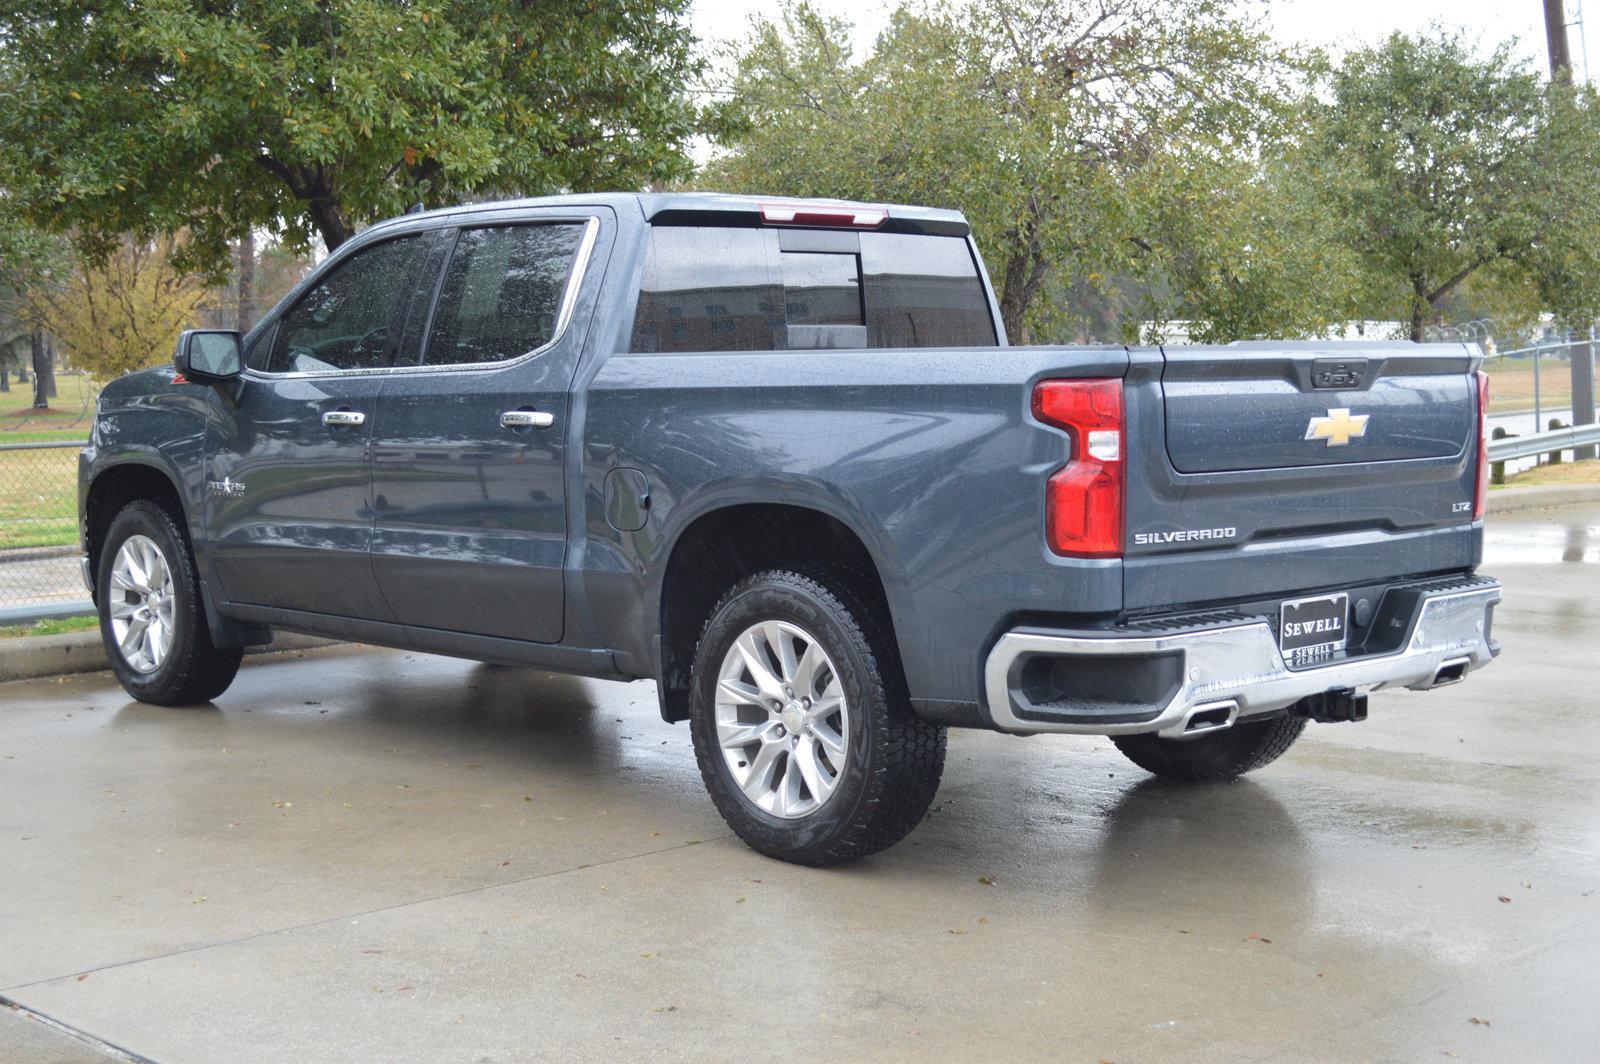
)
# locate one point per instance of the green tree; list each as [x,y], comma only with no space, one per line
[119,312]
[27,257]
[1063,129]
[1447,166]
[313,117]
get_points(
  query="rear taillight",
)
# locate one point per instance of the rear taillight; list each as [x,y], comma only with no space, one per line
[1480,498]
[1084,498]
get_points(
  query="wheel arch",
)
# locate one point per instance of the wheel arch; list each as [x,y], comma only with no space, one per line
[116,485]
[723,545]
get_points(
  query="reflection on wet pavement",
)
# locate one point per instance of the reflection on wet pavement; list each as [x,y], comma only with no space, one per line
[361,854]
[1547,538]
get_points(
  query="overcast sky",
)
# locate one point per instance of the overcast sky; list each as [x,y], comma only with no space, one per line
[1323,22]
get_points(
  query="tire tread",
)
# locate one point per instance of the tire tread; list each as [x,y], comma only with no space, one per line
[1225,755]
[905,776]
[200,670]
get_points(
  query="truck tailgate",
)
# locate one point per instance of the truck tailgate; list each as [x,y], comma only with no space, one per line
[1270,469]
[1230,409]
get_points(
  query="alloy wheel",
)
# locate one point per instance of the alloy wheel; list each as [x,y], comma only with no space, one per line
[783,722]
[141,604]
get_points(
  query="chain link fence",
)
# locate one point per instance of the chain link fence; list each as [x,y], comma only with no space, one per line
[39,571]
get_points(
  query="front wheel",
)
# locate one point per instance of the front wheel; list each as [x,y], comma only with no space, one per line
[802,726]
[152,619]
[1221,755]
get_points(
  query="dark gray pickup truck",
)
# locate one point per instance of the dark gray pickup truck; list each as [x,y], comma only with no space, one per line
[778,457]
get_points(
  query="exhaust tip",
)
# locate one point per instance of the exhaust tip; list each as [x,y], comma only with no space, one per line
[1210,717]
[1452,671]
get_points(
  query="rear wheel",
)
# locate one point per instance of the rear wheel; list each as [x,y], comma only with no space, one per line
[802,727]
[152,619]
[1221,755]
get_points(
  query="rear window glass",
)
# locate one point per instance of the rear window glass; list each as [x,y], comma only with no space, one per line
[727,289]
[821,288]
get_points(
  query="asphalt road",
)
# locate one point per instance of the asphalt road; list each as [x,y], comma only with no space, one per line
[365,855]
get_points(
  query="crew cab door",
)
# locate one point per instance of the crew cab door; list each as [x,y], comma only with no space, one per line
[288,477]
[469,444]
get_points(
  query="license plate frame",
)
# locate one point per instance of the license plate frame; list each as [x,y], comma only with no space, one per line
[1313,629]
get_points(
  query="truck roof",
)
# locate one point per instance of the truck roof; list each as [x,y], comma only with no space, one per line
[664,206]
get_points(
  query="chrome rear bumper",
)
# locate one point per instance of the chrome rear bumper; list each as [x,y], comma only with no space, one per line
[1181,682]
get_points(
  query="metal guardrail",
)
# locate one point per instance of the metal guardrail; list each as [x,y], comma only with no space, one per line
[39,572]
[1513,447]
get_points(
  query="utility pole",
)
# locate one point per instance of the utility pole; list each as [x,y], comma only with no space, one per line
[1555,37]
[1582,354]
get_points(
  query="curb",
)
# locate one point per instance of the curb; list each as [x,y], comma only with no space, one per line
[30,657]
[1542,497]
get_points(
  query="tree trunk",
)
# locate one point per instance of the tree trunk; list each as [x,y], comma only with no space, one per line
[1419,306]
[1013,298]
[5,378]
[42,375]
[325,214]
[247,283]
[50,367]
[1025,274]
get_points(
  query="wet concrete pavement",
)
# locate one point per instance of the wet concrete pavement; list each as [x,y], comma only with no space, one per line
[364,855]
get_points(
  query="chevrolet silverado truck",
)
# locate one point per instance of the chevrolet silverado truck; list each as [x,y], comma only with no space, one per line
[777,457]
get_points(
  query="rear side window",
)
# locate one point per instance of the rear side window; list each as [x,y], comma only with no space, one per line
[711,289]
[708,290]
[923,291]
[349,319]
[502,293]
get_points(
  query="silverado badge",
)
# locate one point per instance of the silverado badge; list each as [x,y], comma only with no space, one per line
[1338,428]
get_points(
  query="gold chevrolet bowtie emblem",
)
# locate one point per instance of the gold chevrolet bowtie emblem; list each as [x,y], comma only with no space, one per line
[1338,428]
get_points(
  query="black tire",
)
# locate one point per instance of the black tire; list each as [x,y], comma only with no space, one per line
[1222,755]
[892,761]
[194,669]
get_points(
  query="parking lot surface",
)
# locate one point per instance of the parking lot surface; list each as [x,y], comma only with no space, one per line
[365,855]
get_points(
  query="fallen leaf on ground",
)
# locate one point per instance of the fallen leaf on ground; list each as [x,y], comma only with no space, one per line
[1479,1022]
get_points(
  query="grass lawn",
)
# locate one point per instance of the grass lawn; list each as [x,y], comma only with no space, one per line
[1565,473]
[39,498]
[69,416]
[1511,384]
[39,488]
[54,627]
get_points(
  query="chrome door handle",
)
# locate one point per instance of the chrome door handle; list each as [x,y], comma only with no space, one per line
[344,417]
[526,419]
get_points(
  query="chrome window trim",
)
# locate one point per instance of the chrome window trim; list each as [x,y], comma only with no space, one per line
[564,315]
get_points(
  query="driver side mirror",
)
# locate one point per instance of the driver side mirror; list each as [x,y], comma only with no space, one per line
[209,355]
